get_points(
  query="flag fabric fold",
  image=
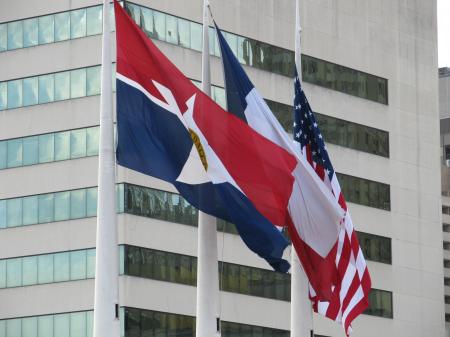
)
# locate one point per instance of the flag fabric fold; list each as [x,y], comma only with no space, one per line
[169,129]
[322,235]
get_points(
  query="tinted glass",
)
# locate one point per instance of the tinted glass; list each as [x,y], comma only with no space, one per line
[62,26]
[14,96]
[94,20]
[159,20]
[171,29]
[77,204]
[62,206]
[78,83]
[14,272]
[13,212]
[30,210]
[15,35]
[29,327]
[78,143]
[46,88]
[62,145]
[46,29]
[61,266]
[45,325]
[61,325]
[77,23]
[3,37]
[46,210]
[45,268]
[30,91]
[62,86]
[147,21]
[78,324]
[78,265]
[3,95]
[196,36]
[91,201]
[14,327]
[29,270]
[30,32]
[90,263]
[3,214]
[46,148]
[93,81]
[92,139]
[14,156]
[30,150]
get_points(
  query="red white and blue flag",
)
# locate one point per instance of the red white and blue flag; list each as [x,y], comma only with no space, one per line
[329,250]
[169,129]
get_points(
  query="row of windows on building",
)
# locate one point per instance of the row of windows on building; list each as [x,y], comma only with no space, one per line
[133,323]
[162,266]
[140,201]
[164,27]
[338,131]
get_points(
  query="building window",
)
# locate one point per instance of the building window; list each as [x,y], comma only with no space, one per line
[446,263]
[447,317]
[47,268]
[375,248]
[73,324]
[365,192]
[338,131]
[446,210]
[171,267]
[140,322]
[447,281]
[447,299]
[164,27]
[446,228]
[49,147]
[380,303]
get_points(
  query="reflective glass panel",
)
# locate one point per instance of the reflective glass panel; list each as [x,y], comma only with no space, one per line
[15,35]
[93,81]
[46,210]
[159,20]
[14,94]
[46,88]
[78,23]
[61,325]
[78,265]
[30,32]
[94,20]
[78,83]
[3,37]
[62,26]
[14,212]
[46,29]
[14,272]
[61,266]
[3,95]
[62,206]
[232,42]
[45,326]
[134,11]
[30,210]
[92,135]
[171,29]
[45,268]
[14,327]
[196,36]
[184,33]
[90,266]
[62,145]
[78,143]
[77,204]
[91,201]
[30,150]
[46,148]
[2,213]
[147,21]
[29,327]
[14,156]
[29,270]
[78,324]
[62,86]
[2,274]
[30,91]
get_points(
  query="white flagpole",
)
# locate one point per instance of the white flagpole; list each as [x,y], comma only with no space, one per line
[106,302]
[301,310]
[208,320]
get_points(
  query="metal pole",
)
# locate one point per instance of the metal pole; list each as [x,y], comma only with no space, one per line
[301,310]
[106,302]
[208,320]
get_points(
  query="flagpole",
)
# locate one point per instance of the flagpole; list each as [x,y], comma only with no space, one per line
[208,320]
[301,310]
[106,301]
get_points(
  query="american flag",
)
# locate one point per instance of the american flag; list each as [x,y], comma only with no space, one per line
[352,282]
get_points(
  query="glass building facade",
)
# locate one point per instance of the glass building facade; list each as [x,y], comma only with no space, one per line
[186,33]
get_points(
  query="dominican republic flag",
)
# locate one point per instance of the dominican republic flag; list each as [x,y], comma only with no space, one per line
[314,216]
[169,129]
[323,238]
